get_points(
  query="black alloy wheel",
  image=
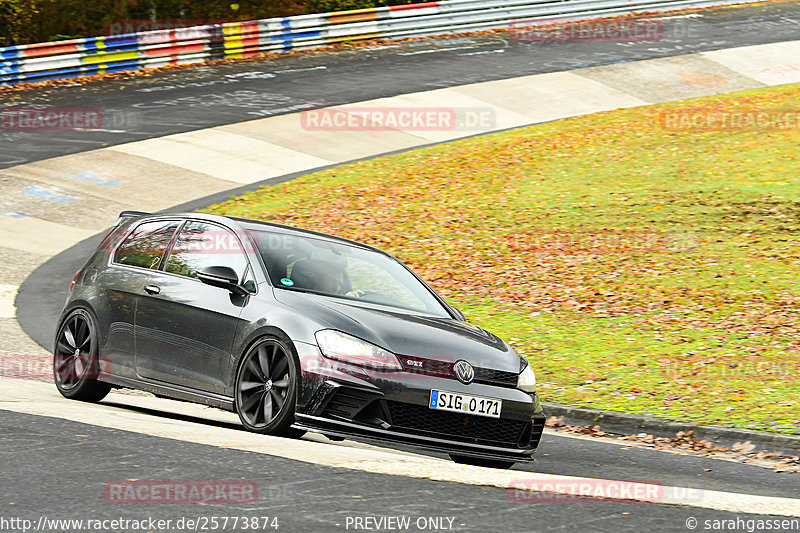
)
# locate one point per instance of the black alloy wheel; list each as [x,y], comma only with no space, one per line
[76,364]
[266,388]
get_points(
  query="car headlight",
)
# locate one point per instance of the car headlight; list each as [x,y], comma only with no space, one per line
[344,347]
[527,379]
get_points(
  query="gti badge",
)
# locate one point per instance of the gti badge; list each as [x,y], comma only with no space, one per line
[464,372]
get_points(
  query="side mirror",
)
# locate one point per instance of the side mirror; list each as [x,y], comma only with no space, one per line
[222,277]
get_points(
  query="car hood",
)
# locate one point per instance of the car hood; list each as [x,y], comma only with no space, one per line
[405,333]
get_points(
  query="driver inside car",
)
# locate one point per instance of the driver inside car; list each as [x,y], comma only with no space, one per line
[333,281]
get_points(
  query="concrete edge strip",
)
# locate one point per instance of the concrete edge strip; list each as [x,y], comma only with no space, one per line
[222,155]
[37,398]
[7,294]
[40,236]
[622,423]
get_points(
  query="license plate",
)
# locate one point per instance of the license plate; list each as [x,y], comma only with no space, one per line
[464,403]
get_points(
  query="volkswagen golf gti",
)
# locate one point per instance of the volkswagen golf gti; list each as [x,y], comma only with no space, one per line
[295,331]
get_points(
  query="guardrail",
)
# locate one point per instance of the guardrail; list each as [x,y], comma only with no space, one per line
[158,48]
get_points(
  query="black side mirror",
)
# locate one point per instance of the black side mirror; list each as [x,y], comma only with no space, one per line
[222,277]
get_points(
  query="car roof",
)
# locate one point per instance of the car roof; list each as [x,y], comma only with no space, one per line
[256,225]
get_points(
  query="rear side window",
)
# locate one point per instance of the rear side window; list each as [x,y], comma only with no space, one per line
[201,245]
[145,246]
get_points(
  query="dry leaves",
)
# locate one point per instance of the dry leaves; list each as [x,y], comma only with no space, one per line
[686,442]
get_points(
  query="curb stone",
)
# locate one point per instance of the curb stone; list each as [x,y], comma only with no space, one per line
[619,423]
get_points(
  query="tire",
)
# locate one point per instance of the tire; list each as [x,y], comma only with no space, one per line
[266,388]
[476,461]
[76,364]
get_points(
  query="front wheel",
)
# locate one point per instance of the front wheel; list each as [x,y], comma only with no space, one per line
[266,388]
[476,461]
[76,364]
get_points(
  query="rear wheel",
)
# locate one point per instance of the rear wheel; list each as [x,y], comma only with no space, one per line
[76,364]
[476,461]
[266,388]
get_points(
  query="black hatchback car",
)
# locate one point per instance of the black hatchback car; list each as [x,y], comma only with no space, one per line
[294,331]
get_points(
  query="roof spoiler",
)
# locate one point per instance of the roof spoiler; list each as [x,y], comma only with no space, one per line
[125,215]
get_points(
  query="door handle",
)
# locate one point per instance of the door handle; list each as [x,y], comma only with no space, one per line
[152,289]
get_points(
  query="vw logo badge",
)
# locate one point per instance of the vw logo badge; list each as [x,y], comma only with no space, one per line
[464,372]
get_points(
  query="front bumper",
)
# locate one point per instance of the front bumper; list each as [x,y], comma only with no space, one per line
[345,429]
[343,401]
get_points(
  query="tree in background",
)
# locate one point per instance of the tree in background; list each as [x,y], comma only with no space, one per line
[324,6]
[16,17]
[67,19]
[30,21]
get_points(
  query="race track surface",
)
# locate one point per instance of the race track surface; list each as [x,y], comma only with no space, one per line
[59,455]
[164,103]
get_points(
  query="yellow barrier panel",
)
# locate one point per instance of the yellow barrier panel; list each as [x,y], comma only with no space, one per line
[355,15]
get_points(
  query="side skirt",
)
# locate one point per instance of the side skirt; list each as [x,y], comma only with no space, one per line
[173,392]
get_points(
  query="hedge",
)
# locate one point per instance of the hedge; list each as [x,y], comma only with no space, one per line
[30,21]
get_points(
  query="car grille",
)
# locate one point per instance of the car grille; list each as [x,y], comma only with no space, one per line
[433,367]
[495,377]
[536,432]
[468,428]
[348,403]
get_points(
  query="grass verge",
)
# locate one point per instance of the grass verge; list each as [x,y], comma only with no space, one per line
[641,264]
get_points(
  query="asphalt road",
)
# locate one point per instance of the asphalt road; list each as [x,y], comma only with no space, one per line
[58,469]
[564,455]
[139,107]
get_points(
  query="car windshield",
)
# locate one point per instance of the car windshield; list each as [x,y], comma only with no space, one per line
[319,266]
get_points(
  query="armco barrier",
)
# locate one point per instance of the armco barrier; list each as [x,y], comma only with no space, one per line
[150,49]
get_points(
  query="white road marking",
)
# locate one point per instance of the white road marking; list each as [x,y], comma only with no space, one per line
[382,47]
[689,16]
[291,70]
[40,398]
[34,235]
[770,64]
[497,51]
[435,50]
[7,295]
[223,155]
